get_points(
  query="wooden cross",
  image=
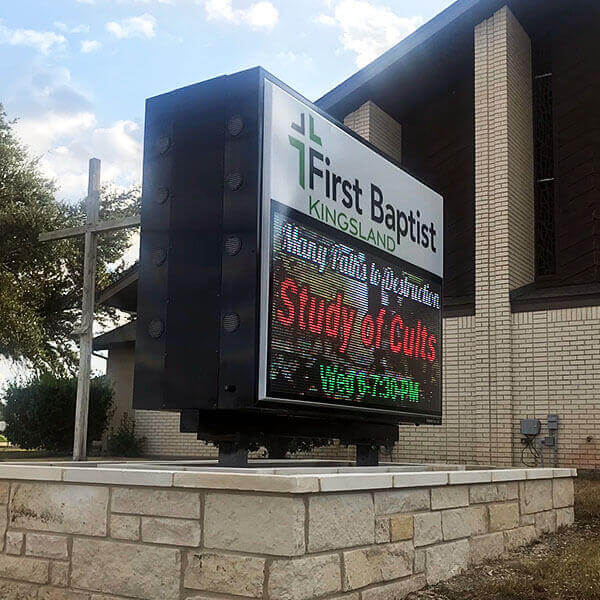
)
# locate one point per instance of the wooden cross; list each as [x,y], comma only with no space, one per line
[93,226]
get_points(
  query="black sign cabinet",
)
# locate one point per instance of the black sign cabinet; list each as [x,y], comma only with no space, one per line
[201,304]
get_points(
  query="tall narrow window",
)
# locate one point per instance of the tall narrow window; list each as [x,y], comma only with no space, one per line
[545,226]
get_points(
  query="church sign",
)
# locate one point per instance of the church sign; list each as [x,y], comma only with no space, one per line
[287,267]
[351,269]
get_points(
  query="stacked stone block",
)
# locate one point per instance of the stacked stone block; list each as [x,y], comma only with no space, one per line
[292,541]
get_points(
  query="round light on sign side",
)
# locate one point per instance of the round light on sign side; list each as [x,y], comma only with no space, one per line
[235,125]
[231,322]
[234,181]
[156,328]
[233,245]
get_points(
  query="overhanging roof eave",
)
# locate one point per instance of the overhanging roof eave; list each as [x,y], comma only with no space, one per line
[423,34]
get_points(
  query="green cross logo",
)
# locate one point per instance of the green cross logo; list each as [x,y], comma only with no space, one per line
[301,146]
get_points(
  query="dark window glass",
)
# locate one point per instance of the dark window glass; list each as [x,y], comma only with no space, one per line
[545,200]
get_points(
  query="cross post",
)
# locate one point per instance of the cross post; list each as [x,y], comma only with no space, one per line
[90,231]
[92,211]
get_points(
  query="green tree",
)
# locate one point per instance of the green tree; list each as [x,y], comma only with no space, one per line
[41,283]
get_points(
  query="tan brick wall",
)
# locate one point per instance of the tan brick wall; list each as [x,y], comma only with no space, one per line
[556,371]
[119,371]
[517,365]
[520,156]
[453,440]
[503,218]
[163,438]
[377,127]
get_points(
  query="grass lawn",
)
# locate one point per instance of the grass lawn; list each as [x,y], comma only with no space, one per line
[12,453]
[562,566]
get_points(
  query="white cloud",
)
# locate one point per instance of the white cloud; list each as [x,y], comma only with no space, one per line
[217,10]
[290,57]
[74,29]
[88,46]
[40,133]
[368,29]
[58,124]
[44,41]
[142,26]
[65,144]
[130,1]
[259,15]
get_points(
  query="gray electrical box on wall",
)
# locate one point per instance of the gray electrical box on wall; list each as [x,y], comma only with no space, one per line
[530,426]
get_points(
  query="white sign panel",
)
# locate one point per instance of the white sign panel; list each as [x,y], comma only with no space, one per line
[352,261]
[316,168]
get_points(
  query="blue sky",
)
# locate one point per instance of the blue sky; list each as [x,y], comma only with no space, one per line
[76,72]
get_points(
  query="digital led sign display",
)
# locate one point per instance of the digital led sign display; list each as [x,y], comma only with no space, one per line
[351,307]
[347,324]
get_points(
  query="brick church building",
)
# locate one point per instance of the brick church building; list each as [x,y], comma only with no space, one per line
[495,105]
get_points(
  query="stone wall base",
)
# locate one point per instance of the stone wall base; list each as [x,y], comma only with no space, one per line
[97,533]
